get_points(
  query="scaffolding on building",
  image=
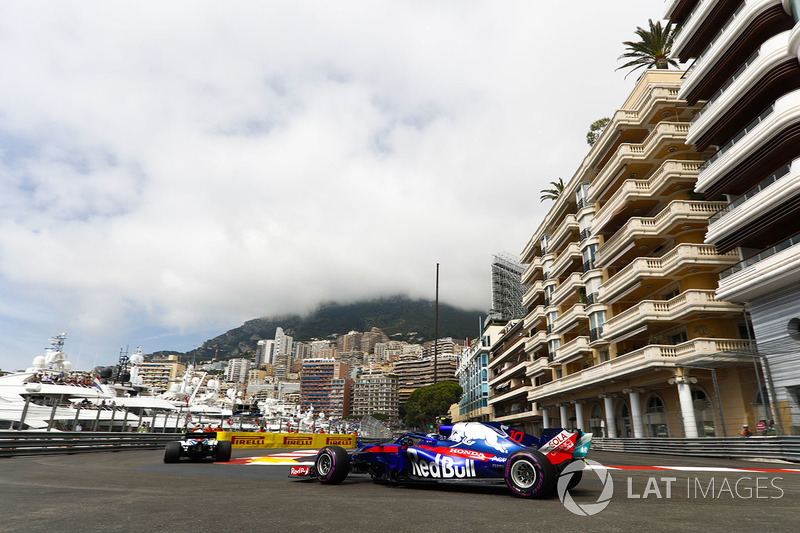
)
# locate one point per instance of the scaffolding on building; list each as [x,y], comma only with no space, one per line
[507,288]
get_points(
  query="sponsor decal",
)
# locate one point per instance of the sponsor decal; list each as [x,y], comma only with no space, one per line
[442,467]
[247,441]
[337,441]
[299,470]
[559,448]
[461,452]
[298,441]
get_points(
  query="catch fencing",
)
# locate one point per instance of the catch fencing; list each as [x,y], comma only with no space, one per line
[49,442]
[780,448]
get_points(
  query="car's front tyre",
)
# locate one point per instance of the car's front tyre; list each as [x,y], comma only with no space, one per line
[530,474]
[332,465]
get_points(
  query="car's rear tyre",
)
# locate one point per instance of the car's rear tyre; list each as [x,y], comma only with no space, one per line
[574,480]
[172,452]
[530,474]
[223,452]
[332,465]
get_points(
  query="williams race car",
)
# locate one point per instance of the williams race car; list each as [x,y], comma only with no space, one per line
[463,452]
[198,445]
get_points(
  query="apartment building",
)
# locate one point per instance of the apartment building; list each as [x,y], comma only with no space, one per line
[317,386]
[415,373]
[159,374]
[624,335]
[745,74]
[375,393]
[473,376]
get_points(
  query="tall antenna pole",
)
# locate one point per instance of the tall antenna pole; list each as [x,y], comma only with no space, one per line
[436,332]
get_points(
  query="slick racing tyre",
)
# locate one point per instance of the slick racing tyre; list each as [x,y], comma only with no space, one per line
[172,452]
[575,477]
[223,452]
[332,465]
[529,474]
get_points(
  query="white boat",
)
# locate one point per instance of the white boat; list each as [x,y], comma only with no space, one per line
[52,396]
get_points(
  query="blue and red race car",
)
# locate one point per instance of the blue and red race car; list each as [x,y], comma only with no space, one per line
[463,452]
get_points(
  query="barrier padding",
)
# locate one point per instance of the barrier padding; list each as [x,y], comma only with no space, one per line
[285,440]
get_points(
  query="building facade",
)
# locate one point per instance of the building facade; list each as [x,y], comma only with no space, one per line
[317,385]
[159,374]
[746,76]
[375,393]
[624,335]
[473,376]
[415,373]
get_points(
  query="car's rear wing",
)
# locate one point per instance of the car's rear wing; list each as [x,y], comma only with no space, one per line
[210,435]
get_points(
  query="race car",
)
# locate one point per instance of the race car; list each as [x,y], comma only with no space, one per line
[463,452]
[198,445]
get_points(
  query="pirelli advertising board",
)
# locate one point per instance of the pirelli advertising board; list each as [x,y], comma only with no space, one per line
[286,440]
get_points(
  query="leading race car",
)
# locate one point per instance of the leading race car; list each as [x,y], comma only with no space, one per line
[463,452]
[198,445]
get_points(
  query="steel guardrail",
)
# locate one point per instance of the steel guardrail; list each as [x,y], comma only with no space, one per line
[775,448]
[14,443]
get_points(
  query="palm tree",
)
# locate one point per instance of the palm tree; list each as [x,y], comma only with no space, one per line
[652,50]
[555,192]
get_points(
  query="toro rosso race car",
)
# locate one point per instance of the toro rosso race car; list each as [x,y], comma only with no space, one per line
[198,445]
[463,452]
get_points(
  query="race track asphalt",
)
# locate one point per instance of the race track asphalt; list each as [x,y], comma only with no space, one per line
[134,491]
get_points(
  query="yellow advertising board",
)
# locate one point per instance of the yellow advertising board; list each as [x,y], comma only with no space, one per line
[285,440]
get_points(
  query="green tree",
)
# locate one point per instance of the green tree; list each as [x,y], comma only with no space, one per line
[652,50]
[596,129]
[426,403]
[555,192]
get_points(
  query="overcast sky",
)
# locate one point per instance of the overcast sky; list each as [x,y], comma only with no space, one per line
[169,170]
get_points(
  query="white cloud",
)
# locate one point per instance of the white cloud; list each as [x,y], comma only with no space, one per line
[179,167]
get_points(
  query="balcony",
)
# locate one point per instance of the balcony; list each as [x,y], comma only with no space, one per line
[540,339]
[626,154]
[679,308]
[568,320]
[564,260]
[574,349]
[674,216]
[732,225]
[773,269]
[707,64]
[567,289]
[534,318]
[675,264]
[533,293]
[763,140]
[766,62]
[519,392]
[694,352]
[669,175]
[538,367]
[532,272]
[512,369]
[564,232]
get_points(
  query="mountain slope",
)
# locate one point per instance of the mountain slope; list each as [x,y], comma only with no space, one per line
[399,317]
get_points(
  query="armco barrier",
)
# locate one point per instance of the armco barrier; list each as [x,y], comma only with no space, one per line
[286,440]
[781,448]
[50,442]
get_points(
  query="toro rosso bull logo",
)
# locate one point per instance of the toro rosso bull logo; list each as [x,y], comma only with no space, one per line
[467,433]
[440,466]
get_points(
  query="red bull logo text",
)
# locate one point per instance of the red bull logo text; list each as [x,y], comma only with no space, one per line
[247,441]
[442,467]
[299,470]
